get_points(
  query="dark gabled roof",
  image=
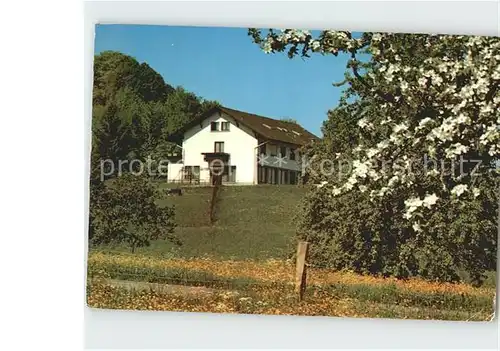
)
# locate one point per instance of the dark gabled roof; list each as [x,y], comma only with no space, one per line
[265,127]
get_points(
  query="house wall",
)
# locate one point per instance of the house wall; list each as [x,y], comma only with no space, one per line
[274,161]
[240,142]
[174,172]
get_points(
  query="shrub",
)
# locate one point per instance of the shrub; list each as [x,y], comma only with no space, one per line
[351,232]
[124,211]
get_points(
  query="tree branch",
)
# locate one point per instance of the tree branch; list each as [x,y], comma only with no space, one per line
[491,93]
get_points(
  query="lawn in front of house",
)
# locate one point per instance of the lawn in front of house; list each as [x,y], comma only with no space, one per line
[252,222]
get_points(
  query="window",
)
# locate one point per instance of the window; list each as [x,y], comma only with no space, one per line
[229,174]
[214,126]
[273,150]
[283,151]
[292,154]
[262,149]
[224,126]
[219,146]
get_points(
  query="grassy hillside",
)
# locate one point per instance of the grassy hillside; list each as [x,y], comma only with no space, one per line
[252,222]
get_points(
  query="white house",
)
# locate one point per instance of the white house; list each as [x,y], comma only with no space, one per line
[244,148]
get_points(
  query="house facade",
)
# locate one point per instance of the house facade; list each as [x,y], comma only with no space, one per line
[237,147]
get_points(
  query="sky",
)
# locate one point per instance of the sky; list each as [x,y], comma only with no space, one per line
[223,64]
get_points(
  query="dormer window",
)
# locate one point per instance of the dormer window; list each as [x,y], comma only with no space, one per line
[219,126]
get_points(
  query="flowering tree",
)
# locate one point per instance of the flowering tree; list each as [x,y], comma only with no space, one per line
[427,114]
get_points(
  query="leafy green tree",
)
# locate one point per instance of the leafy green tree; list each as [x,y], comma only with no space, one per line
[114,71]
[182,107]
[289,120]
[150,85]
[120,128]
[125,211]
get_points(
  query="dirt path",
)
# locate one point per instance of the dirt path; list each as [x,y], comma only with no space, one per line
[162,288]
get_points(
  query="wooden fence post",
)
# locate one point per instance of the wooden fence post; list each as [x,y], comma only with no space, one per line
[301,274]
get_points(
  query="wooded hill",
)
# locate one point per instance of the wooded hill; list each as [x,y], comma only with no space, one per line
[134,109]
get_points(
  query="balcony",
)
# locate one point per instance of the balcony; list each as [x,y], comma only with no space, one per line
[212,156]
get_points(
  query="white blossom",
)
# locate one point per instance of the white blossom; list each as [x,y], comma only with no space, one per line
[412,204]
[459,189]
[322,184]
[393,180]
[456,149]
[360,169]
[315,45]
[382,191]
[433,172]
[476,192]
[371,152]
[424,122]
[430,200]
[400,127]
[362,123]
[267,47]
